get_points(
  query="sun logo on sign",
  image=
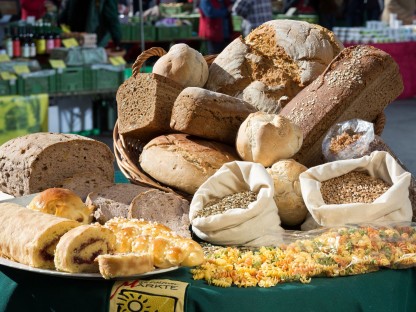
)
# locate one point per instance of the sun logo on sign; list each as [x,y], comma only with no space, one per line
[131,301]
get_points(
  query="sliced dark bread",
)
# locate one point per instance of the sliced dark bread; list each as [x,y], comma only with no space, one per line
[162,207]
[84,183]
[113,201]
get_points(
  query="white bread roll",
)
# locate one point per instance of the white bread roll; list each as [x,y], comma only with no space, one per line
[267,138]
[184,65]
[287,192]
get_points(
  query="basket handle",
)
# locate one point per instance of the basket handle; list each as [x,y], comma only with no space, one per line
[379,123]
[138,63]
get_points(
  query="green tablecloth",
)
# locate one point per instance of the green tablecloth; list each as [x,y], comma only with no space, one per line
[387,290]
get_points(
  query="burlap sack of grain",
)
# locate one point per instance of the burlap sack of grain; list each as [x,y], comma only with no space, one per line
[392,206]
[256,225]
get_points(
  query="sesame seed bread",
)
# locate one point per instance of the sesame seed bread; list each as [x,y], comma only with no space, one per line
[113,201]
[144,105]
[360,82]
[208,114]
[37,161]
[284,55]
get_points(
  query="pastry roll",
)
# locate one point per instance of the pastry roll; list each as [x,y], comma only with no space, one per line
[62,203]
[30,237]
[127,264]
[78,248]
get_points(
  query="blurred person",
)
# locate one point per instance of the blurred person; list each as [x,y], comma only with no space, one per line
[36,8]
[354,13]
[328,12]
[373,9]
[215,24]
[253,12]
[405,10]
[93,16]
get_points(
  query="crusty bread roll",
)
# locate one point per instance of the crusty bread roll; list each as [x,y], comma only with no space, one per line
[210,115]
[183,65]
[144,105]
[184,162]
[34,162]
[287,193]
[78,248]
[162,207]
[360,82]
[30,237]
[284,55]
[168,249]
[267,138]
[128,264]
[62,203]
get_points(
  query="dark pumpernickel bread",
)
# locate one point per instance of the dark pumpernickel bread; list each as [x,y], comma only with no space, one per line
[113,201]
[209,114]
[35,162]
[359,83]
[162,207]
[144,105]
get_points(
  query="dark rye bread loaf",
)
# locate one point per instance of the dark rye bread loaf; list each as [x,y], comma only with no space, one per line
[144,105]
[113,201]
[359,83]
[35,162]
[162,207]
[208,114]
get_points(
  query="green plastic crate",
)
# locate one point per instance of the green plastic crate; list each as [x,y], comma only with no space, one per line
[8,87]
[175,32]
[237,20]
[169,9]
[125,32]
[43,81]
[70,79]
[88,79]
[149,32]
[107,77]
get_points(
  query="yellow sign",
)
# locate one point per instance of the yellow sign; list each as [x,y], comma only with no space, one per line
[20,115]
[7,76]
[65,28]
[117,60]
[21,69]
[4,58]
[70,42]
[57,64]
[148,295]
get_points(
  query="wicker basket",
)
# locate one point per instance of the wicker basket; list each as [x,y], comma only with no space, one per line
[127,150]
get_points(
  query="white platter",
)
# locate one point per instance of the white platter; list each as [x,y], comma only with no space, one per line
[86,276]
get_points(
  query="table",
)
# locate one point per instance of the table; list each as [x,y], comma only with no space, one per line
[404,53]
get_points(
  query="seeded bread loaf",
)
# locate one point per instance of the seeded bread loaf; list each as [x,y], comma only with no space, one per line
[144,105]
[359,83]
[208,114]
[184,162]
[84,183]
[276,60]
[35,162]
[113,201]
[162,207]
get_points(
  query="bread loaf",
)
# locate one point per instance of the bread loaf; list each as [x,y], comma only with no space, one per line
[84,183]
[113,201]
[184,162]
[284,55]
[29,236]
[144,105]
[208,114]
[359,83]
[62,203]
[35,162]
[184,65]
[162,207]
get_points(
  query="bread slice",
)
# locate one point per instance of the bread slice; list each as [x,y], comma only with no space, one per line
[84,183]
[162,207]
[126,264]
[113,201]
[144,105]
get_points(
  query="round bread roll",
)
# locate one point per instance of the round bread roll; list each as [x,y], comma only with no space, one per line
[183,65]
[63,203]
[287,192]
[267,138]
[183,161]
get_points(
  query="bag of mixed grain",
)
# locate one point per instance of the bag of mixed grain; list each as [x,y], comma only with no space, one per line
[373,188]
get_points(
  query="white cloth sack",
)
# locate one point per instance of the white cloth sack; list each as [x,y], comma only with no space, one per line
[257,225]
[394,205]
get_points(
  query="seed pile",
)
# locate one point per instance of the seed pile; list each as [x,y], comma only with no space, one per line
[343,140]
[353,187]
[237,200]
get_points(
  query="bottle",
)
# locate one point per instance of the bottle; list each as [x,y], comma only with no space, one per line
[32,45]
[49,39]
[17,52]
[8,43]
[24,43]
[57,39]
[41,40]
